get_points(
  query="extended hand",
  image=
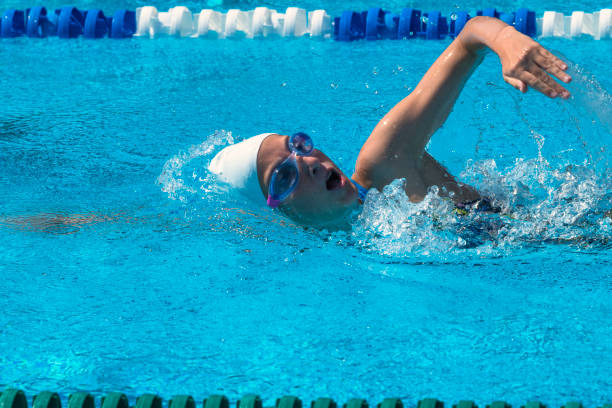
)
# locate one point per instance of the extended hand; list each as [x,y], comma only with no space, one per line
[526,63]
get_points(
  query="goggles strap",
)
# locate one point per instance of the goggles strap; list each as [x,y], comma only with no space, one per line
[272,202]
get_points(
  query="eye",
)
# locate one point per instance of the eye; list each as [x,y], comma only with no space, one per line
[285,178]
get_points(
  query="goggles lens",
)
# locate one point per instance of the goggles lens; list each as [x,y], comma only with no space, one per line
[286,175]
[301,144]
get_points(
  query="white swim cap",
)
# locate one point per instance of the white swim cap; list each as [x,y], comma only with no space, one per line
[237,165]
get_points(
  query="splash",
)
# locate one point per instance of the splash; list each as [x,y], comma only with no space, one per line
[199,199]
[186,175]
[541,204]
[589,97]
[562,199]
[558,198]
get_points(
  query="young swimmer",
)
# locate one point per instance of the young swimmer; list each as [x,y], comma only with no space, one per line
[289,173]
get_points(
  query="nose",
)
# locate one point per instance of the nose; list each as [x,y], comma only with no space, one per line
[311,165]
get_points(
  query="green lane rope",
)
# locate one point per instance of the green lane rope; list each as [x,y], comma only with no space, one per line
[15,398]
[148,401]
[356,403]
[470,404]
[249,401]
[46,399]
[323,403]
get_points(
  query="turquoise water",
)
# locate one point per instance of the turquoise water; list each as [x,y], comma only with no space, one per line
[126,266]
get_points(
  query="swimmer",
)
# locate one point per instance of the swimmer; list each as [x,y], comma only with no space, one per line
[289,173]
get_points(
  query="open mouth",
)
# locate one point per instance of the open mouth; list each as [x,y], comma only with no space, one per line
[334,180]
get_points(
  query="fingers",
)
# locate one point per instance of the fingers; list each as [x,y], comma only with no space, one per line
[548,55]
[557,89]
[552,65]
[528,64]
[534,74]
[516,83]
[539,80]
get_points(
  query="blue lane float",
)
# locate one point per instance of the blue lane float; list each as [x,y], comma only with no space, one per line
[67,22]
[123,24]
[457,22]
[488,12]
[13,24]
[435,26]
[96,24]
[38,23]
[70,21]
[348,27]
[376,24]
[409,23]
[525,22]
[372,24]
[381,25]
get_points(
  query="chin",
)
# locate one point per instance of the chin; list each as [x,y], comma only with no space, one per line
[333,220]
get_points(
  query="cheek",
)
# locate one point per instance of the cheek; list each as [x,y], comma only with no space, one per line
[308,187]
[309,200]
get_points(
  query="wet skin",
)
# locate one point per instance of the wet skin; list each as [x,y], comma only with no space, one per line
[324,194]
[396,147]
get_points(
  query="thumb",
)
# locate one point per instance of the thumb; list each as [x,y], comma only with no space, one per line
[517,83]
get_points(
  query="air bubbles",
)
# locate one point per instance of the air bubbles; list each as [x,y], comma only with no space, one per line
[538,203]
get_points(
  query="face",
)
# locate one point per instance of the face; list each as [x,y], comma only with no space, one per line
[324,195]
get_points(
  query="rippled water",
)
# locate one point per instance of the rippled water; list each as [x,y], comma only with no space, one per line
[127,266]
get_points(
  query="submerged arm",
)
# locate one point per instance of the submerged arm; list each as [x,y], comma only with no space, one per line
[396,147]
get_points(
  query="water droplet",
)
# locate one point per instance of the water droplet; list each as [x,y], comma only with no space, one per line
[424,19]
[453,16]
[284,84]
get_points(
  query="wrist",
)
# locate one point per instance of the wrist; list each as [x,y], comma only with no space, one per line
[470,41]
[502,37]
[481,33]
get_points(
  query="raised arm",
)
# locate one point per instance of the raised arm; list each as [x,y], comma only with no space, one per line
[396,147]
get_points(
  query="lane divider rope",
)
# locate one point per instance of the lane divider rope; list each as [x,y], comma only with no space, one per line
[16,398]
[373,24]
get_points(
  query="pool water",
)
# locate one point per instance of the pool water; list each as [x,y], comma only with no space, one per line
[126,266]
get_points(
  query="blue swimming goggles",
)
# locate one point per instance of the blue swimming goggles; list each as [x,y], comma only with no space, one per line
[286,175]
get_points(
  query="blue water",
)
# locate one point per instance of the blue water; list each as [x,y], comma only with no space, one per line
[127,267]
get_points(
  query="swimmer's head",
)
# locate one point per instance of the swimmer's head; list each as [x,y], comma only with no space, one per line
[323,195]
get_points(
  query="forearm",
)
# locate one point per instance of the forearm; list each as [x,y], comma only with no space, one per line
[406,129]
[435,95]
[396,147]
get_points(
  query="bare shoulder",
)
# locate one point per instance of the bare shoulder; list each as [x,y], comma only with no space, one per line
[379,171]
